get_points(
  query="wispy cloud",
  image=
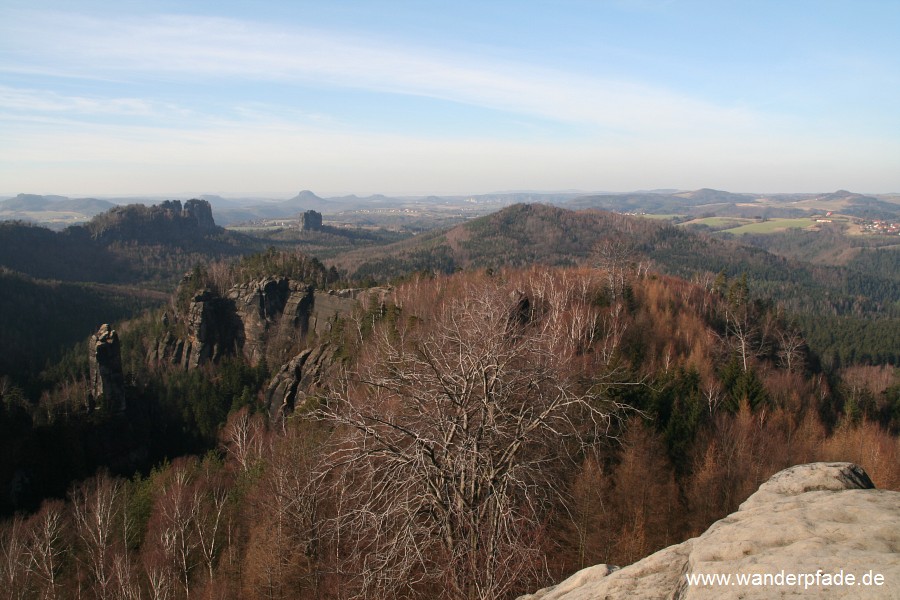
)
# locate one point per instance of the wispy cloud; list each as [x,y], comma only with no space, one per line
[194,48]
[28,100]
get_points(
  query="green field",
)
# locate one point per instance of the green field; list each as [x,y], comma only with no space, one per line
[720,222]
[659,217]
[772,226]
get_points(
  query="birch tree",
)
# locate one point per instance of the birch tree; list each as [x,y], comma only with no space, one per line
[96,511]
[46,549]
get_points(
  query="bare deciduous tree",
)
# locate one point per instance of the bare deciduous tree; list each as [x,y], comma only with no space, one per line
[791,349]
[243,438]
[211,500]
[450,426]
[178,510]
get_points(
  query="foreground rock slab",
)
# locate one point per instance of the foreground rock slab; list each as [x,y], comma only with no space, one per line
[803,534]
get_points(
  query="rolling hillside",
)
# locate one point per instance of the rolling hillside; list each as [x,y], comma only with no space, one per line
[525,234]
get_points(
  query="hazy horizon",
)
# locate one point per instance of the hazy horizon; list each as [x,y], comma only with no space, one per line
[280,196]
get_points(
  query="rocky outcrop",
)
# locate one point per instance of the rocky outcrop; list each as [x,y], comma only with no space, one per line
[311,221]
[166,222]
[299,378]
[800,535]
[214,330]
[201,212]
[107,378]
[248,318]
[267,304]
[328,306]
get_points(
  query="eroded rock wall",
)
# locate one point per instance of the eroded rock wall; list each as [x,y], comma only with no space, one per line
[248,318]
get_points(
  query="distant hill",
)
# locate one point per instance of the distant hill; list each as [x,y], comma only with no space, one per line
[126,244]
[660,202]
[710,202]
[709,196]
[525,234]
[867,207]
[35,203]
[306,200]
[27,202]
[303,201]
[650,202]
[839,195]
[56,211]
[230,214]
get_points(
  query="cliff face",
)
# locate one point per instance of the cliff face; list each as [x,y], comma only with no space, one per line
[214,330]
[200,211]
[246,319]
[821,518]
[299,378]
[252,315]
[270,306]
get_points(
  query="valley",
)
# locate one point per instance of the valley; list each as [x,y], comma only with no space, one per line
[288,379]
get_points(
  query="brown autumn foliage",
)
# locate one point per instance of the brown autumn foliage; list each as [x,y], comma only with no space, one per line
[478,446]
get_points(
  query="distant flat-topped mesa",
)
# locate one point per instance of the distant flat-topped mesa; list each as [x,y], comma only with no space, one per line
[160,221]
[812,531]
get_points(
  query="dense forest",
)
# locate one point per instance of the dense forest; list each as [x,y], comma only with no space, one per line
[522,235]
[856,284]
[41,320]
[486,432]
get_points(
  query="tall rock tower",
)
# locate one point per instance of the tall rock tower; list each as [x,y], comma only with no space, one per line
[311,221]
[107,378]
[201,211]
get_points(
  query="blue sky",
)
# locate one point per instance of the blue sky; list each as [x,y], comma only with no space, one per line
[130,97]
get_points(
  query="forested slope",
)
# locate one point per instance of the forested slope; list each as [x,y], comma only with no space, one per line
[490,432]
[865,288]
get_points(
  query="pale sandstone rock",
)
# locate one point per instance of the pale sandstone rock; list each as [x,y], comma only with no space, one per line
[821,516]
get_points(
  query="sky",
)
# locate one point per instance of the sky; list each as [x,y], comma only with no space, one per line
[269,98]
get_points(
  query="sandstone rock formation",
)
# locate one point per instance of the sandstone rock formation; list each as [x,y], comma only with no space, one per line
[270,303]
[214,330]
[168,221]
[300,377]
[311,221]
[107,378]
[250,316]
[809,521]
[328,306]
[200,211]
